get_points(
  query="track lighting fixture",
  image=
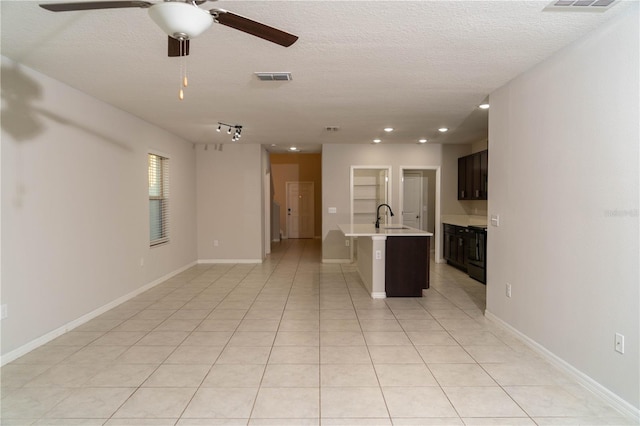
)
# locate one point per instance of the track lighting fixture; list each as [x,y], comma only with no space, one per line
[235,128]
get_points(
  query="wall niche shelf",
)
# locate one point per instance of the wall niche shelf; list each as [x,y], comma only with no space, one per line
[369,189]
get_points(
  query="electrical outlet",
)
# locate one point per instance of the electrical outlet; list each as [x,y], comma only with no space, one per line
[508,290]
[619,346]
[347,243]
[3,312]
[378,255]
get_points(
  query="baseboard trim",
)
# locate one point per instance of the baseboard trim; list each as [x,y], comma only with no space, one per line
[336,261]
[607,395]
[379,295]
[226,261]
[46,338]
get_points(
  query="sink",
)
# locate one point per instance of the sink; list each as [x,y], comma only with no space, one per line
[394,227]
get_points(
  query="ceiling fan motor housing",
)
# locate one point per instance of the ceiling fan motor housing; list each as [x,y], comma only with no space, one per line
[179,20]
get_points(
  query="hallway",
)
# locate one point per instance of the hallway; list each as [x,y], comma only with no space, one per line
[293,341]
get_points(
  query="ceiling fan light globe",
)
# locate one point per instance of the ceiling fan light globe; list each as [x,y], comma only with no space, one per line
[183,19]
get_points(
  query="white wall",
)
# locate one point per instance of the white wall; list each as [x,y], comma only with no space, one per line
[75,205]
[229,203]
[563,144]
[336,168]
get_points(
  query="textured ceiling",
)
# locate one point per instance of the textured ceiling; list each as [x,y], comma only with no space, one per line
[358,65]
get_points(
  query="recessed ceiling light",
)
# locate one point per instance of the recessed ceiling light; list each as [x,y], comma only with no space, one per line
[293,148]
[422,141]
[443,129]
[377,140]
[388,129]
[483,106]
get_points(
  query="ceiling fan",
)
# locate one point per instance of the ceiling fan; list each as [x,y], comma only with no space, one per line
[183,20]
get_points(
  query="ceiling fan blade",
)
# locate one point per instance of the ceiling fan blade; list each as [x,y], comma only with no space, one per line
[257,29]
[178,47]
[68,7]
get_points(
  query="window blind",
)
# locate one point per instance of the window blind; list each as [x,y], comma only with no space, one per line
[158,199]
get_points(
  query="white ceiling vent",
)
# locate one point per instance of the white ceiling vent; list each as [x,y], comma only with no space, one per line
[580,5]
[274,76]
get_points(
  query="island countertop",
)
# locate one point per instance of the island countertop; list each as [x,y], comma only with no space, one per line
[369,230]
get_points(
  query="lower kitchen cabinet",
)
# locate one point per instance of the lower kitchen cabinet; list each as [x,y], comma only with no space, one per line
[455,245]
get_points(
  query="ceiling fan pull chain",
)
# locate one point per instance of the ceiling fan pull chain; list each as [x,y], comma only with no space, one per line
[183,71]
[181,92]
[185,81]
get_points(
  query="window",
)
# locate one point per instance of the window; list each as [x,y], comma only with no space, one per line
[158,199]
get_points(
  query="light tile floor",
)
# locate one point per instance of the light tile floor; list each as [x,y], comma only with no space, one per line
[293,341]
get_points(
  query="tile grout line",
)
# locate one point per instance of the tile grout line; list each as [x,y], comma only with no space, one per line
[177,346]
[289,247]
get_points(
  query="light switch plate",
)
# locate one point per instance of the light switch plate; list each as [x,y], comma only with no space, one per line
[495,220]
[333,210]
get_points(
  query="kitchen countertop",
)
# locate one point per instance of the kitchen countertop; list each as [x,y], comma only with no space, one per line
[464,220]
[369,230]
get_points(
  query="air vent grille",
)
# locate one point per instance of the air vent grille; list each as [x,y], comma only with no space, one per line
[581,5]
[274,76]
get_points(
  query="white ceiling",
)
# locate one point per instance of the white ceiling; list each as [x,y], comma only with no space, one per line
[358,65]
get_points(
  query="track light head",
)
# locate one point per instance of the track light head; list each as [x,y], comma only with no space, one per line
[235,128]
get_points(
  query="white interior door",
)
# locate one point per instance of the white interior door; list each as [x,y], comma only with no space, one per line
[412,200]
[300,205]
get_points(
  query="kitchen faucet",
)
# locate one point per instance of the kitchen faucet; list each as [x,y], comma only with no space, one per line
[378,214]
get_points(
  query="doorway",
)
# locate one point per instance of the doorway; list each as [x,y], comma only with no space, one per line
[290,167]
[300,209]
[413,207]
[420,202]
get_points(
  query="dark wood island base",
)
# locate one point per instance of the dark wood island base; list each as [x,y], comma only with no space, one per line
[407,266]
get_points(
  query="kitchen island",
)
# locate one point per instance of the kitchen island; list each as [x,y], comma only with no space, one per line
[393,260]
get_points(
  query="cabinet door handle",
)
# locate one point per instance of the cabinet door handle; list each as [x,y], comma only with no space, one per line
[477,192]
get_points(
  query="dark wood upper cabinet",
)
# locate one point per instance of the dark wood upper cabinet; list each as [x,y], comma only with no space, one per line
[473,176]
